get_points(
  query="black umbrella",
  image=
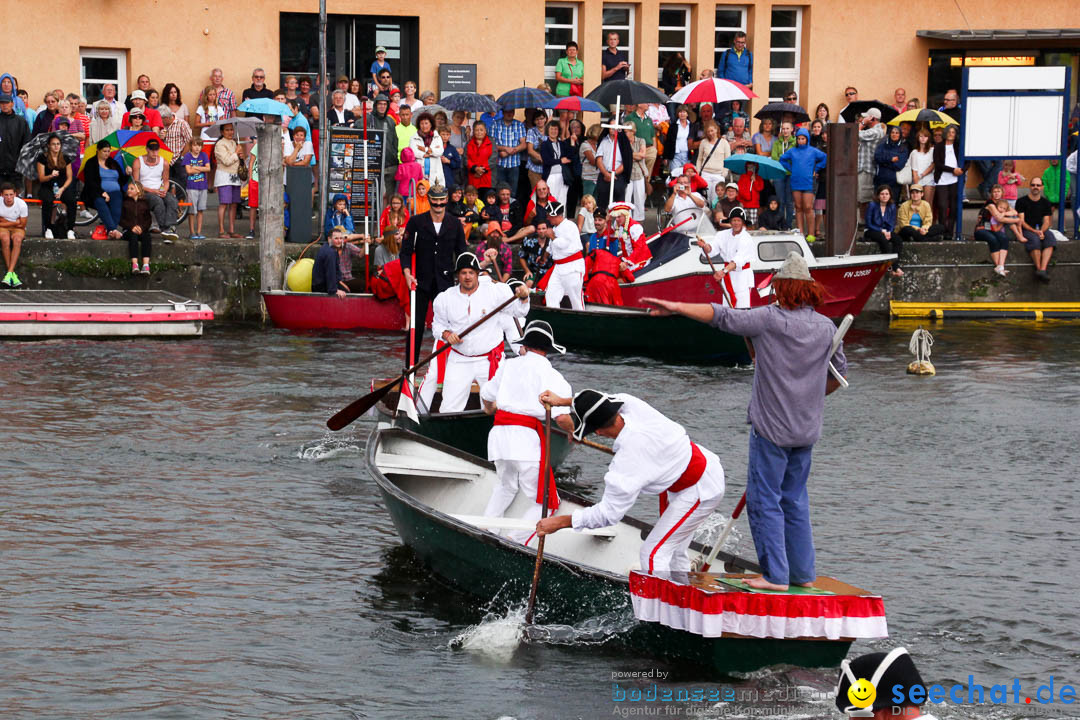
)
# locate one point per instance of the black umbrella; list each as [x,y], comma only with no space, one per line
[469,102]
[627,92]
[777,111]
[69,147]
[859,107]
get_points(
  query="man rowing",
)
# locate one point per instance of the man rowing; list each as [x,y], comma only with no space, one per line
[735,248]
[516,442]
[653,455]
[792,343]
[477,355]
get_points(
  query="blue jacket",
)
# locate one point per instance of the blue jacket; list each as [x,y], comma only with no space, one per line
[886,168]
[875,220]
[326,274]
[736,67]
[802,161]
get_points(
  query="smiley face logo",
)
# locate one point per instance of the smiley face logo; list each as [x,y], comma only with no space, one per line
[862,693]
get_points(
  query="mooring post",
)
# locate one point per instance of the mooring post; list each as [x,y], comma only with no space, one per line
[271,206]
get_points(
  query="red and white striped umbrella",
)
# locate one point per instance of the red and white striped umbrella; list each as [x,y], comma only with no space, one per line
[712,90]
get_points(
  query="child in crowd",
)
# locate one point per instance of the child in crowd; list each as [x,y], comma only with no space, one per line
[772,218]
[196,166]
[408,173]
[1010,181]
[135,220]
[585,222]
[750,187]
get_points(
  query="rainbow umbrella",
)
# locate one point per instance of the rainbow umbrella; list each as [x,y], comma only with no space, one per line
[129,144]
[578,104]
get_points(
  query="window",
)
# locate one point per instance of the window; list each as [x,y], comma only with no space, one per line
[620,19]
[674,34]
[730,19]
[785,51]
[100,67]
[560,27]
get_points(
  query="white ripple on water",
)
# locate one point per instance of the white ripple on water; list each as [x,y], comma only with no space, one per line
[327,448]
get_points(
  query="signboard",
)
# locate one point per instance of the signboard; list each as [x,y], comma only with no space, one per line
[456,77]
[360,181]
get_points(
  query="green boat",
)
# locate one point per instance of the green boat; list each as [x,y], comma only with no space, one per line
[434,492]
[610,329]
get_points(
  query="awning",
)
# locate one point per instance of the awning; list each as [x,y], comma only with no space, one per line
[1011,35]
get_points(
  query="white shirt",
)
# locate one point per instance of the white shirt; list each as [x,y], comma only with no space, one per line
[516,388]
[13,212]
[651,452]
[567,242]
[455,311]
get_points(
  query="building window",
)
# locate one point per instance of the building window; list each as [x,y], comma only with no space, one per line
[785,51]
[560,27]
[100,67]
[730,19]
[620,19]
[674,34]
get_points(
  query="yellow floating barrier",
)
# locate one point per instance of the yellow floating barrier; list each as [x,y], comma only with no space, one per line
[985,310]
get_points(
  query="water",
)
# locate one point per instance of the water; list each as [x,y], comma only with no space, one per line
[181,537]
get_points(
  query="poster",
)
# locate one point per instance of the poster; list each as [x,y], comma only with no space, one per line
[348,174]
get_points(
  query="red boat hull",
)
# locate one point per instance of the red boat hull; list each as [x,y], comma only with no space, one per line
[311,311]
[847,287]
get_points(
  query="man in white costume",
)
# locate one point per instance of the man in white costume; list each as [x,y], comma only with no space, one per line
[735,248]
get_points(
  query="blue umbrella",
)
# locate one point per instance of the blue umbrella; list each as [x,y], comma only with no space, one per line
[265,106]
[768,168]
[469,102]
[524,97]
[579,104]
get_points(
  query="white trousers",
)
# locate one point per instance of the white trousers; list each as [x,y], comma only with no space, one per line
[635,195]
[664,550]
[565,283]
[515,475]
[461,371]
[556,185]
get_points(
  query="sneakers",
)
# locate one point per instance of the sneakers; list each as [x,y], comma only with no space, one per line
[48,234]
[70,234]
[146,269]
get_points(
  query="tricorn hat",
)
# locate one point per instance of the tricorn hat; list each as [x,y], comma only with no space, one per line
[538,336]
[885,671]
[591,410]
[466,261]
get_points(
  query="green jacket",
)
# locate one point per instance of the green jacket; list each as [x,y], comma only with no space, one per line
[1051,178]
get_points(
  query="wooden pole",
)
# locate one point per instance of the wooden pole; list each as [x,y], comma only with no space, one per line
[272,206]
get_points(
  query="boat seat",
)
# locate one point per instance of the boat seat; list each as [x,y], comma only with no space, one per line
[422,467]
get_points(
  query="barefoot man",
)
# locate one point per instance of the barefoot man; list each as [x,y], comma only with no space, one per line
[791,380]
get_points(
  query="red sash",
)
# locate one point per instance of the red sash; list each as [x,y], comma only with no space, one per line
[542,285]
[508,418]
[690,476]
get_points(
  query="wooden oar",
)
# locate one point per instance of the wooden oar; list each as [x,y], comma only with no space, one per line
[361,405]
[543,514]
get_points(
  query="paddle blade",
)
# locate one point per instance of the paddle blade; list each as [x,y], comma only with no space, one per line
[360,406]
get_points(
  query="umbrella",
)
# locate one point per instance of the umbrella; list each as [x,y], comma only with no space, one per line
[265,106]
[713,90]
[859,107]
[926,115]
[470,102]
[129,144]
[768,168]
[628,92]
[578,104]
[777,111]
[69,148]
[246,127]
[524,97]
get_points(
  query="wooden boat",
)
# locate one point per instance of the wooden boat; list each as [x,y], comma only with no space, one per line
[679,271]
[632,331]
[434,492]
[316,311]
[100,313]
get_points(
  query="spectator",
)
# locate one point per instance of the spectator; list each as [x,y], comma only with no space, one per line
[850,95]
[427,148]
[993,227]
[196,167]
[676,73]
[135,219]
[1035,213]
[771,217]
[104,123]
[636,189]
[899,100]
[108,94]
[712,153]
[258,87]
[409,173]
[677,142]
[1051,178]
[569,72]
[737,62]
[613,159]
[142,83]
[152,116]
[479,157]
[1010,181]
[152,173]
[871,133]
[379,66]
[615,61]
[881,226]
[683,203]
[946,178]
[890,157]
[822,113]
[763,139]
[738,137]
[13,217]
[395,215]
[803,162]
[44,118]
[13,135]
[509,137]
[750,187]
[103,183]
[556,162]
[57,183]
[225,97]
[781,145]
[915,219]
[922,163]
[227,180]
[735,112]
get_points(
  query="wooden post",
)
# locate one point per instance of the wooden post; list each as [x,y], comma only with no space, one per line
[271,205]
[842,212]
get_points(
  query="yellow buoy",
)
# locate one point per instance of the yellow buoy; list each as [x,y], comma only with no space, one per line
[298,279]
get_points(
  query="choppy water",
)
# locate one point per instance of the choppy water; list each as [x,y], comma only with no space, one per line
[181,538]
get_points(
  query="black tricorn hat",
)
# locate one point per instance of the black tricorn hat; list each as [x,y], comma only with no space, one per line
[884,671]
[538,336]
[592,410]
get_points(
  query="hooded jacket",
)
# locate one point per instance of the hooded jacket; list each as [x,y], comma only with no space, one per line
[802,161]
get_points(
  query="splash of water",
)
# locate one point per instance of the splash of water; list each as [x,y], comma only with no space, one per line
[329,446]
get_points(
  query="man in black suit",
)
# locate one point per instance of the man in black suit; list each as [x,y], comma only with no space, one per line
[434,240]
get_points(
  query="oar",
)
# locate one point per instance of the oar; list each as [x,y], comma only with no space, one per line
[361,405]
[543,514]
[723,536]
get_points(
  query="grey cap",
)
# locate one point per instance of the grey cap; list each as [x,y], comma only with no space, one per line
[794,268]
